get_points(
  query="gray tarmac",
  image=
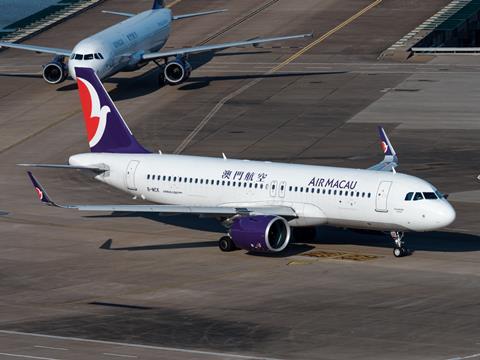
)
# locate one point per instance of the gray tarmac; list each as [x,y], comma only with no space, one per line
[76,286]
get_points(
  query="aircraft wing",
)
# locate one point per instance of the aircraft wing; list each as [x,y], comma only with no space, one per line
[203,48]
[391,160]
[168,209]
[38,49]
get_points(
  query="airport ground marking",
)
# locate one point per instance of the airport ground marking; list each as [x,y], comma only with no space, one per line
[245,87]
[27,356]
[130,345]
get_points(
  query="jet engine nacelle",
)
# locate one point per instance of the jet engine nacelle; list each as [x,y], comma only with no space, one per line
[177,71]
[56,71]
[260,233]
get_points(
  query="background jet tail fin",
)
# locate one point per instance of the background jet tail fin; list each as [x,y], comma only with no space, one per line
[158,4]
[106,130]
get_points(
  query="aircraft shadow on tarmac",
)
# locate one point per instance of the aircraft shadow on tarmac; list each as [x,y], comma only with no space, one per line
[436,241]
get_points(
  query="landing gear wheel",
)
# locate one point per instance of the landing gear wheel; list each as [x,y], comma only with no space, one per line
[226,244]
[400,251]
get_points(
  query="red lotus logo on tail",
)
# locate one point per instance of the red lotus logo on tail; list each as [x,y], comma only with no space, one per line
[95,116]
[384,146]
[39,193]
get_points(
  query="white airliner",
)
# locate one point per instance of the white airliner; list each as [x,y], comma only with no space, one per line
[130,45]
[257,201]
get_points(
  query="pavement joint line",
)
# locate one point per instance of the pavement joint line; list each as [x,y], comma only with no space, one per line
[50,347]
[121,355]
[245,87]
[138,346]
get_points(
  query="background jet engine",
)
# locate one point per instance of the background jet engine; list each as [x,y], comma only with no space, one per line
[177,71]
[56,71]
[260,233]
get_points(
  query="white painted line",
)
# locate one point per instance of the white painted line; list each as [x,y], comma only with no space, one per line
[27,356]
[120,355]
[139,346]
[465,357]
[50,348]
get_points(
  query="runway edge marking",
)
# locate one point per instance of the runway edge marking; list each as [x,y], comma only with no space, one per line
[140,346]
[222,102]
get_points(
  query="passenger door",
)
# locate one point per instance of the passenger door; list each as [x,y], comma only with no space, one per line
[130,175]
[382,196]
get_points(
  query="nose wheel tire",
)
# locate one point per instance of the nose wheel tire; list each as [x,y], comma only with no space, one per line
[226,244]
[400,251]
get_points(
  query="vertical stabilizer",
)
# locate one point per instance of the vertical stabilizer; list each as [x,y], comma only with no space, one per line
[158,4]
[106,129]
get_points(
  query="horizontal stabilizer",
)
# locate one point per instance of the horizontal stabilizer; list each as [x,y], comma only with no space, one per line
[99,169]
[186,16]
[119,13]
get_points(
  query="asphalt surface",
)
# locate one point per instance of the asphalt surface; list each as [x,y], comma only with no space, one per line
[78,286]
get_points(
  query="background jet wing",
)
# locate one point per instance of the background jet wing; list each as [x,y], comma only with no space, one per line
[39,49]
[186,16]
[203,48]
[119,13]
[390,160]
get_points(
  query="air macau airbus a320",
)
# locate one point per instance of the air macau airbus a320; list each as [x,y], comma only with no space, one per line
[130,45]
[257,201]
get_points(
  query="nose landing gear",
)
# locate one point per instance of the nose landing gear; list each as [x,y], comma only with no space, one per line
[399,250]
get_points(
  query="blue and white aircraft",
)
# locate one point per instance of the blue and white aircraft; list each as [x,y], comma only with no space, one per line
[130,45]
[257,201]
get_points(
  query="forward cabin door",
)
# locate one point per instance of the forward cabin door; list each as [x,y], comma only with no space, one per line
[382,196]
[130,175]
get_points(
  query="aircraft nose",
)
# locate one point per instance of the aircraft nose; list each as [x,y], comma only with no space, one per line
[447,214]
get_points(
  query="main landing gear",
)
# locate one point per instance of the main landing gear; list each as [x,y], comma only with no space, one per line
[226,244]
[399,250]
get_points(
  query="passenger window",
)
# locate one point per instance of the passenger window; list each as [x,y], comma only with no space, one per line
[418,196]
[223,182]
[196,181]
[358,194]
[369,195]
[329,192]
[256,186]
[261,186]
[250,186]
[363,194]
[334,192]
[218,182]
[301,189]
[324,191]
[409,196]
[169,178]
[174,179]
[430,195]
[341,192]
[228,183]
[148,177]
[159,177]
[296,188]
[318,191]
[88,57]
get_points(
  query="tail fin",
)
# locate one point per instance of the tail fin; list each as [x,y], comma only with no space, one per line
[158,4]
[106,129]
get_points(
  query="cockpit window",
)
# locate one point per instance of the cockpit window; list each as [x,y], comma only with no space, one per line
[78,57]
[409,196]
[430,195]
[418,196]
[98,56]
[88,57]
[439,194]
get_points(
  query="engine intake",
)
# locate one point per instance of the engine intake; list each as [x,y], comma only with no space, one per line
[260,233]
[55,72]
[177,71]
